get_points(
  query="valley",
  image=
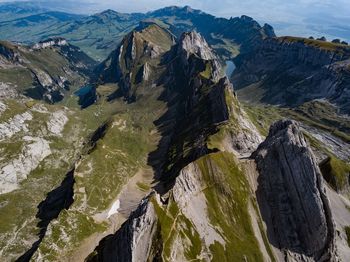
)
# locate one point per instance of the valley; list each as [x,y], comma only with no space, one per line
[172,135]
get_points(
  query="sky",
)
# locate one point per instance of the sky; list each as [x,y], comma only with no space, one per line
[294,17]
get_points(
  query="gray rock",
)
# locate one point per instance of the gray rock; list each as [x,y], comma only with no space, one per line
[194,43]
[133,242]
[292,196]
[51,42]
[292,72]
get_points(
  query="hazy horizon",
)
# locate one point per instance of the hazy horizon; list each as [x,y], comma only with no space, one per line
[297,17]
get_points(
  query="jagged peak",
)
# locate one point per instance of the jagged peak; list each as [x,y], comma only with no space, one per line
[268,30]
[179,9]
[288,170]
[194,43]
[283,125]
[108,12]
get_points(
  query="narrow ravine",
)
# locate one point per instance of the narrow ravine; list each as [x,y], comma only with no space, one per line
[49,209]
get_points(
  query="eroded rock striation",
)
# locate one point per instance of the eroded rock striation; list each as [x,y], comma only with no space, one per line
[131,63]
[290,183]
[291,71]
[48,69]
[133,242]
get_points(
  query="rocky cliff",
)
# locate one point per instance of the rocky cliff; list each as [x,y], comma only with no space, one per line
[45,71]
[132,62]
[290,185]
[51,42]
[291,71]
[134,241]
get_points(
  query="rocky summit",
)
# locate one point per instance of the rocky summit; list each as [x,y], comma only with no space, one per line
[171,135]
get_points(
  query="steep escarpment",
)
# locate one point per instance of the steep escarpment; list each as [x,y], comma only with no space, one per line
[48,70]
[49,209]
[291,71]
[292,196]
[196,99]
[135,60]
[202,198]
[134,241]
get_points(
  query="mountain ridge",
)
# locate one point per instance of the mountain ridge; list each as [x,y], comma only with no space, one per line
[99,45]
[151,155]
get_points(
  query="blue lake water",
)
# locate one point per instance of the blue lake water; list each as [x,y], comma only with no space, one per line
[83,90]
[230,68]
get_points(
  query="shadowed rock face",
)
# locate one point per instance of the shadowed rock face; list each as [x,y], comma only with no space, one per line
[291,72]
[297,209]
[133,242]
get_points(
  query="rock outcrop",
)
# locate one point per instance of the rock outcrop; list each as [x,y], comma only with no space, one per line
[190,198]
[194,43]
[130,64]
[292,195]
[133,242]
[51,42]
[8,54]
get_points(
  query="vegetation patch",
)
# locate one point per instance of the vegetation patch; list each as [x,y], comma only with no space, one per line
[347,231]
[228,194]
[329,46]
[336,172]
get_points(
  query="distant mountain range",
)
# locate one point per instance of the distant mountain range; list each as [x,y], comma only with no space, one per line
[99,34]
[155,153]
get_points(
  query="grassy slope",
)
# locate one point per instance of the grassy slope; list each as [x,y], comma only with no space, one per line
[228,195]
[47,60]
[20,207]
[324,45]
[336,173]
[102,173]
[317,114]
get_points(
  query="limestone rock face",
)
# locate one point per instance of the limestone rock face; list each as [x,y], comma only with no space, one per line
[294,71]
[194,53]
[58,41]
[133,242]
[194,43]
[131,63]
[188,194]
[291,185]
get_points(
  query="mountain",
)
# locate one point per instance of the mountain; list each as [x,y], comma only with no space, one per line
[308,78]
[46,70]
[293,71]
[10,11]
[99,34]
[154,155]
